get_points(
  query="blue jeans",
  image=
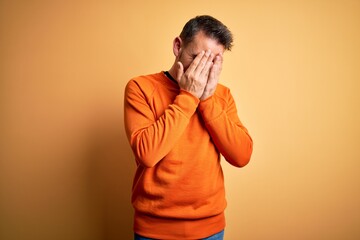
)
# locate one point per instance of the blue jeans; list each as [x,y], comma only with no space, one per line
[217,236]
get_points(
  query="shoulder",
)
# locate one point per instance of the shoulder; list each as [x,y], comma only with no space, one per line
[222,89]
[145,84]
[222,92]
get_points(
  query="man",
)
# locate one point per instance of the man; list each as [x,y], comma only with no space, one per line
[178,123]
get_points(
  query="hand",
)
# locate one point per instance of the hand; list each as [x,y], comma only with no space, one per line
[213,78]
[196,76]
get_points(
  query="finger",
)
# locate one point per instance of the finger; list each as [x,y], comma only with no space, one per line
[211,74]
[203,62]
[195,62]
[207,74]
[215,69]
[217,64]
[180,71]
[221,61]
[218,59]
[208,65]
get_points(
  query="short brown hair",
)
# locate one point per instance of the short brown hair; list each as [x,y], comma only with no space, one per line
[211,27]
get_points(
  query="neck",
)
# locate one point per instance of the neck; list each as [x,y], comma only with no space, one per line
[173,71]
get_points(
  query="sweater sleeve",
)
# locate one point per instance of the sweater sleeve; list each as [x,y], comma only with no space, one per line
[227,132]
[151,138]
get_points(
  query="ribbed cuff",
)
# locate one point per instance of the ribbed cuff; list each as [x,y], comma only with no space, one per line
[209,109]
[187,102]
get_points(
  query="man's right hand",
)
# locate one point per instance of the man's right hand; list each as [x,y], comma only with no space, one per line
[195,78]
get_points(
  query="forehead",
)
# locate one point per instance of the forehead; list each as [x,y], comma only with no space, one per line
[201,42]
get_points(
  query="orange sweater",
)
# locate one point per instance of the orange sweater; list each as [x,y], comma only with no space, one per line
[178,188]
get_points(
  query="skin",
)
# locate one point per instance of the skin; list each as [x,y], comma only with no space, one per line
[197,65]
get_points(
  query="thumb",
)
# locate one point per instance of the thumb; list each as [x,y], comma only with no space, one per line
[180,71]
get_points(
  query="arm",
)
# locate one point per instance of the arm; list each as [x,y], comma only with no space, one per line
[229,135]
[222,122]
[151,139]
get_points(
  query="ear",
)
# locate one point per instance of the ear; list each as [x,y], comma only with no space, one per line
[177,43]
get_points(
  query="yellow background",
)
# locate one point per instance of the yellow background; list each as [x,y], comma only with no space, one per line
[65,165]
